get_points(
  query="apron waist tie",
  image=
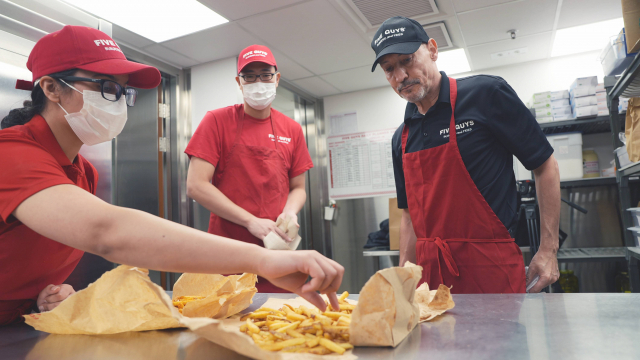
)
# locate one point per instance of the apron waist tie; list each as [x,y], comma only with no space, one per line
[444,248]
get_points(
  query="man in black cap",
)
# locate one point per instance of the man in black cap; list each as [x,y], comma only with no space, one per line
[453,164]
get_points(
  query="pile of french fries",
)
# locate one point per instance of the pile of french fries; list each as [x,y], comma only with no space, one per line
[301,330]
[181,301]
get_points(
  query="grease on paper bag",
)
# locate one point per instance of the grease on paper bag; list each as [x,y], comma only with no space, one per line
[433,303]
[123,299]
[386,311]
[224,295]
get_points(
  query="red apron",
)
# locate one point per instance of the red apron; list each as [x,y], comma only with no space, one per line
[255,178]
[461,241]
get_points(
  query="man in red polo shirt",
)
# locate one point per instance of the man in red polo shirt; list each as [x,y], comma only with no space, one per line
[248,161]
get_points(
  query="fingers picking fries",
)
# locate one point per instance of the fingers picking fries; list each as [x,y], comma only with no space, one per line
[300,330]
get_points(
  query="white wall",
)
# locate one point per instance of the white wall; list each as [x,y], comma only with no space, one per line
[213,85]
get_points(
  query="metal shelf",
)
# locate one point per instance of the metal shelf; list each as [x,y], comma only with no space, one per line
[595,125]
[381,253]
[601,181]
[629,83]
[592,254]
[630,170]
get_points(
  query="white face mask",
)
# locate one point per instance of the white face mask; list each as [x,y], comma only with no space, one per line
[259,95]
[99,120]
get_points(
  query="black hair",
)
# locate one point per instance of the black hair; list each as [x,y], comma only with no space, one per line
[33,107]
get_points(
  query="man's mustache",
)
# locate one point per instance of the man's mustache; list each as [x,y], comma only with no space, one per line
[406,83]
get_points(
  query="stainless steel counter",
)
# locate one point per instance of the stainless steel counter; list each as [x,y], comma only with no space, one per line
[492,327]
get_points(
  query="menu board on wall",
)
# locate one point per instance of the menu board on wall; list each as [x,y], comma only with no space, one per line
[360,165]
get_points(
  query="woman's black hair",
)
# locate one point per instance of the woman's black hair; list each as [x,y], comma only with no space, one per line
[34,107]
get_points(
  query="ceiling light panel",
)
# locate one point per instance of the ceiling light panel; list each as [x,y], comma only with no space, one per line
[453,62]
[585,38]
[157,20]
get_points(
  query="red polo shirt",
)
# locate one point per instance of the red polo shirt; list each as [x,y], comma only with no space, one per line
[31,160]
[213,140]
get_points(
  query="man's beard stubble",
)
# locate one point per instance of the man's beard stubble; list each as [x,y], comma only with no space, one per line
[412,97]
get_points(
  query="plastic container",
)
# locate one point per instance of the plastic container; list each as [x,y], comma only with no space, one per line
[636,234]
[568,152]
[622,282]
[614,57]
[623,156]
[635,213]
[590,167]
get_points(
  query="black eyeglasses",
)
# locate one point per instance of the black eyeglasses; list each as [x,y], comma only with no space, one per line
[263,77]
[110,89]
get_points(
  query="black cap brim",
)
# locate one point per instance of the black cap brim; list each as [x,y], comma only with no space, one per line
[401,48]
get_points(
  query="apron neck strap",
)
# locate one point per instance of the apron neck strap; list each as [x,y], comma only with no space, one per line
[453,96]
[241,123]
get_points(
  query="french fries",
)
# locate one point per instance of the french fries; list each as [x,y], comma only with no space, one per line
[301,330]
[181,301]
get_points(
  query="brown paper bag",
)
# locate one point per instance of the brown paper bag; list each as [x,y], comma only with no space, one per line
[224,295]
[433,303]
[386,311]
[123,299]
[632,129]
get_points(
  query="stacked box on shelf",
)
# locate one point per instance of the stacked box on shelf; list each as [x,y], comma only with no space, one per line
[601,99]
[584,102]
[551,106]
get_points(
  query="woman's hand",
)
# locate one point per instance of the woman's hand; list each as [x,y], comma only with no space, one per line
[52,295]
[290,270]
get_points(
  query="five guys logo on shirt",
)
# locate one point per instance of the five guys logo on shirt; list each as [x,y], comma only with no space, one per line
[281,139]
[463,127]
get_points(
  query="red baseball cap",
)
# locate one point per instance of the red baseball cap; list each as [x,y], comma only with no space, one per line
[255,53]
[85,48]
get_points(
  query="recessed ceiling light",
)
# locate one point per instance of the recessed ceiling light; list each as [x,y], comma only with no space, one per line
[157,20]
[453,62]
[585,38]
[509,53]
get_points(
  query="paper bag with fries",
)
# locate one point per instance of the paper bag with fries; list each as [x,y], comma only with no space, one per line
[125,299]
[213,296]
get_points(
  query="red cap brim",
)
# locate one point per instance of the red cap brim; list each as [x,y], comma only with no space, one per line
[140,75]
[262,60]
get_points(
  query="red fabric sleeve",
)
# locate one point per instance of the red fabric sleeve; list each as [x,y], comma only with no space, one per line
[206,142]
[301,160]
[27,168]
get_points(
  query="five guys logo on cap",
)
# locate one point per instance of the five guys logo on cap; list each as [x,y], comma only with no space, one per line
[255,53]
[111,45]
[398,35]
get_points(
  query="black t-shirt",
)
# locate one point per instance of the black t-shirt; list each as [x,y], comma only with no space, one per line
[493,125]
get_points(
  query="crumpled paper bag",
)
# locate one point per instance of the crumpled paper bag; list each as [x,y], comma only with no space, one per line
[123,299]
[227,333]
[433,303]
[390,306]
[386,311]
[224,295]
[273,241]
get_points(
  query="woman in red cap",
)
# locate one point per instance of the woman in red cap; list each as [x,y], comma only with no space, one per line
[48,215]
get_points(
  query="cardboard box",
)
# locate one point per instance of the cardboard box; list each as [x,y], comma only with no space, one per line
[395,216]
[544,105]
[538,97]
[563,117]
[565,110]
[631,18]
[584,101]
[562,94]
[603,112]
[555,104]
[602,97]
[544,119]
[582,91]
[543,112]
[600,88]
[585,111]
[585,82]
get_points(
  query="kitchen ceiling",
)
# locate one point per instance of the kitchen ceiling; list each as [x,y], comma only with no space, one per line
[322,46]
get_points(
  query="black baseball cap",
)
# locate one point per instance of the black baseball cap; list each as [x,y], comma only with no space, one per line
[398,35]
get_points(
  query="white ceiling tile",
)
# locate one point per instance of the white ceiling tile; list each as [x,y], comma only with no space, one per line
[356,79]
[491,24]
[170,55]
[238,9]
[467,5]
[312,34]
[581,12]
[538,47]
[216,43]
[121,34]
[316,86]
[290,69]
[453,28]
